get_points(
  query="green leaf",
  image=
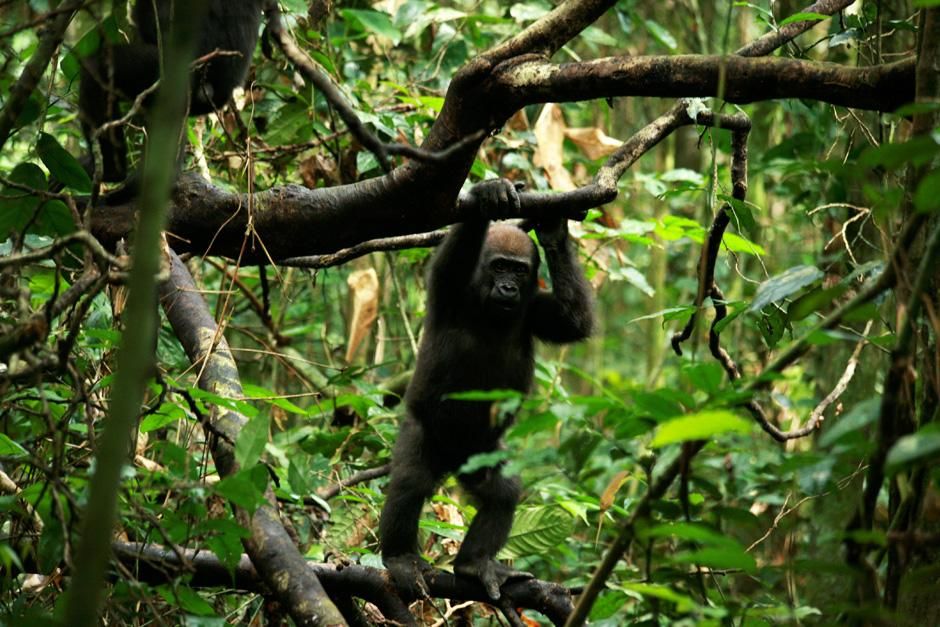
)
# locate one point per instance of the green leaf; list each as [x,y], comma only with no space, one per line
[484,460]
[738,244]
[245,488]
[779,287]
[804,17]
[664,593]
[374,22]
[9,448]
[672,313]
[251,441]
[692,532]
[17,208]
[699,426]
[62,164]
[485,395]
[917,448]
[536,530]
[166,415]
[187,599]
[927,196]
[853,421]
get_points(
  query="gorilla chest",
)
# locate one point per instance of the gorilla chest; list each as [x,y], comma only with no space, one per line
[469,361]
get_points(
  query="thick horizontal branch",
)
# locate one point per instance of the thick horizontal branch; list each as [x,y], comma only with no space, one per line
[156,564]
[880,87]
[294,221]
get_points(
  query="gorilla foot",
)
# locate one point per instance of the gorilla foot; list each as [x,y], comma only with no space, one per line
[408,573]
[490,573]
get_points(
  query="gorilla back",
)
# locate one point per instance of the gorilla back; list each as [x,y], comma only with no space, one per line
[122,72]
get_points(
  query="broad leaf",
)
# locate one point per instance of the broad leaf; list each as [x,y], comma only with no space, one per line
[699,427]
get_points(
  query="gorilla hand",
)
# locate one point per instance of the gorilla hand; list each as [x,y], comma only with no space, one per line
[496,199]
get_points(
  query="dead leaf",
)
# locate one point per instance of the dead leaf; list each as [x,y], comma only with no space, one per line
[365,290]
[550,139]
[593,142]
[319,168]
[610,492]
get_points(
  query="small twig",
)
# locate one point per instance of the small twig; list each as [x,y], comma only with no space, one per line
[360,477]
[401,242]
[78,237]
[783,513]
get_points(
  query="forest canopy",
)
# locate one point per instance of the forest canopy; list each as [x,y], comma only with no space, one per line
[203,356]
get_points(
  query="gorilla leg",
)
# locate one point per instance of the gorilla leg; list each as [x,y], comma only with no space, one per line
[412,482]
[497,496]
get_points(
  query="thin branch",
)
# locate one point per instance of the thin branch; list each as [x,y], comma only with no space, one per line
[400,242]
[362,476]
[103,257]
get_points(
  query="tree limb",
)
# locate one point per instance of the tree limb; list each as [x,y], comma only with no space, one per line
[279,564]
[157,564]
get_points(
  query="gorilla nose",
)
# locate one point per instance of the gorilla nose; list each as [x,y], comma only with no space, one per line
[509,291]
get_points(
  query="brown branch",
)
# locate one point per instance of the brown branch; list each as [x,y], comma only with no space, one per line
[362,476]
[157,564]
[400,242]
[280,565]
[736,79]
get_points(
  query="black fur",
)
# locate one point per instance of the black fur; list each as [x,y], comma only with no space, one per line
[120,73]
[484,309]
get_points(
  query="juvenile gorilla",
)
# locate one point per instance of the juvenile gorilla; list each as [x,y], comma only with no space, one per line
[122,72]
[484,308]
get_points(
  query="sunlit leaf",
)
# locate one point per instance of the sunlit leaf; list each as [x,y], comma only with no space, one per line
[699,426]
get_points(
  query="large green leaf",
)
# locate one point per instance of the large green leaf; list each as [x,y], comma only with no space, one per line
[699,426]
[374,22]
[251,440]
[62,164]
[536,530]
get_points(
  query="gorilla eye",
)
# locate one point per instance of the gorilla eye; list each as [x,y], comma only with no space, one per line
[501,265]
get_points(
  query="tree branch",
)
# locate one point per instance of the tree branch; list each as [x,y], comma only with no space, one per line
[155,564]
[280,565]
[879,88]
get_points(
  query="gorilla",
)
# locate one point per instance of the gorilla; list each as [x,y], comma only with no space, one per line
[122,72]
[484,308]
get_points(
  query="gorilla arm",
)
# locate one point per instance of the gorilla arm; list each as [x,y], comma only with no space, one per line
[566,314]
